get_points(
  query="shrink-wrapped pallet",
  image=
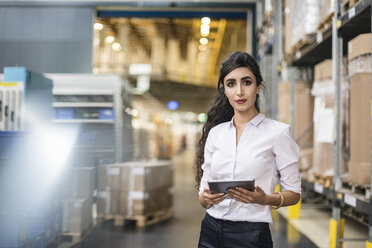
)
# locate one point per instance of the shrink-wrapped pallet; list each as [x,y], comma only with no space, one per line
[360,74]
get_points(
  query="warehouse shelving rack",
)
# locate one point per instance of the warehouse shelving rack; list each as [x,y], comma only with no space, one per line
[355,21]
[84,98]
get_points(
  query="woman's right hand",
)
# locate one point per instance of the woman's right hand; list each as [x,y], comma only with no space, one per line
[209,199]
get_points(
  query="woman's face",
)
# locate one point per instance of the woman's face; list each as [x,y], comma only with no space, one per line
[241,89]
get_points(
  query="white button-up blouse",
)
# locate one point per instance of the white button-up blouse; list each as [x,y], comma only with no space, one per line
[265,150]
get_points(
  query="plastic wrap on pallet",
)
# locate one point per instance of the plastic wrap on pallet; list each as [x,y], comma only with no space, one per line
[78,183]
[304,19]
[324,92]
[327,88]
[361,64]
[324,122]
[104,202]
[77,215]
[360,73]
[326,7]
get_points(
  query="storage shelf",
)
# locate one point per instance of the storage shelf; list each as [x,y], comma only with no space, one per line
[84,121]
[319,47]
[362,204]
[316,50]
[354,21]
[83,92]
[83,104]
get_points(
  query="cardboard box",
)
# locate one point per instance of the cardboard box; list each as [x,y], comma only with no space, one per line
[323,159]
[109,203]
[77,215]
[359,172]
[360,45]
[284,110]
[79,182]
[360,107]
[135,176]
[303,111]
[360,114]
[133,203]
[360,126]
[323,70]
[306,159]
[149,202]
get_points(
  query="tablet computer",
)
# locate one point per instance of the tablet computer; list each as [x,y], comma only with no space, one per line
[222,186]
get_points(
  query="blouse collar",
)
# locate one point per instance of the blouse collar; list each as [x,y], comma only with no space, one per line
[255,121]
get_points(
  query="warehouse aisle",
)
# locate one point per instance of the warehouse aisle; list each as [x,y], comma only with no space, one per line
[182,231]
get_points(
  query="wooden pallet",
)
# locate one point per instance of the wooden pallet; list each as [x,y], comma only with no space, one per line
[357,189]
[141,220]
[117,218]
[153,218]
[326,181]
[301,43]
[346,5]
[76,238]
[326,22]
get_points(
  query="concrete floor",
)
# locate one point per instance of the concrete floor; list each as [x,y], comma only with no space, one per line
[182,231]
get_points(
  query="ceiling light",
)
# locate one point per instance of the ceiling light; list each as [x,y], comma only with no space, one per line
[109,39]
[116,47]
[204,30]
[206,20]
[202,47]
[202,117]
[203,41]
[98,26]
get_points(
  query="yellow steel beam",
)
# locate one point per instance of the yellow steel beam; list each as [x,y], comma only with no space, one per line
[216,47]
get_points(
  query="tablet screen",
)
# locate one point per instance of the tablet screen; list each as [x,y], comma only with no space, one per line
[221,186]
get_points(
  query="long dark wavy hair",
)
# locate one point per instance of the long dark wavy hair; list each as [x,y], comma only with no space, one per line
[221,111]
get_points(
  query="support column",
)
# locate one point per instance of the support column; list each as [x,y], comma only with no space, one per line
[336,223]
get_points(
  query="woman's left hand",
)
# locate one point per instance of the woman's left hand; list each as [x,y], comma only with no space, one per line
[246,196]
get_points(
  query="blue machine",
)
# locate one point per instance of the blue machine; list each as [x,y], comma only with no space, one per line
[20,224]
[38,96]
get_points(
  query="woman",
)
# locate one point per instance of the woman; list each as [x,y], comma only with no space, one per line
[239,142]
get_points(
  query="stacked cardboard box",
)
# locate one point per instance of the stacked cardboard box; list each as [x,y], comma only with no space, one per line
[303,133]
[134,188]
[304,103]
[360,73]
[324,118]
[77,198]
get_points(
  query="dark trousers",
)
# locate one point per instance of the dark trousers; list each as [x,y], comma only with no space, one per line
[216,233]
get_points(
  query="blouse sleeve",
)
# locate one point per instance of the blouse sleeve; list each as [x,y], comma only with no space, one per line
[285,150]
[206,166]
[286,157]
[290,178]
